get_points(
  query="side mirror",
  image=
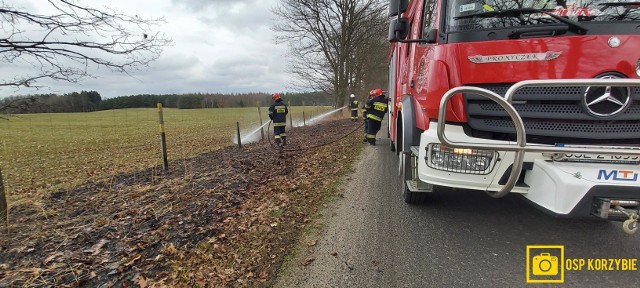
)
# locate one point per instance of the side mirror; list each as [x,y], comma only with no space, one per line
[398,29]
[396,6]
[432,36]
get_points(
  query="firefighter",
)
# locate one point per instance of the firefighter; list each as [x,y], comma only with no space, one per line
[353,104]
[278,114]
[364,116]
[376,108]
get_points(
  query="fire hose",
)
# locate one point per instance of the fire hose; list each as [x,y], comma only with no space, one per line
[273,146]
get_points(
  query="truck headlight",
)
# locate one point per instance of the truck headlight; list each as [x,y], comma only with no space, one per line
[469,161]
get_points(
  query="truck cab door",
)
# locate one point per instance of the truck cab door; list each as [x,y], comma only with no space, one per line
[424,51]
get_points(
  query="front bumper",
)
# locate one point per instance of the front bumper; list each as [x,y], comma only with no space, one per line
[562,188]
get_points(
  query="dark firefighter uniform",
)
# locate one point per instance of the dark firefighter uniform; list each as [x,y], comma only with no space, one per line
[353,104]
[278,113]
[376,108]
[364,116]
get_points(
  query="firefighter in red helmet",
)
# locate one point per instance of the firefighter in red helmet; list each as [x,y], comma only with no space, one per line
[364,115]
[376,108]
[278,114]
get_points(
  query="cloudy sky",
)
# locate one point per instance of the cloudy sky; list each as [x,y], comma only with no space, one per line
[218,46]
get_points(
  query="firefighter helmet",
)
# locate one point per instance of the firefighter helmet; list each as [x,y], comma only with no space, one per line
[352,96]
[376,92]
[275,96]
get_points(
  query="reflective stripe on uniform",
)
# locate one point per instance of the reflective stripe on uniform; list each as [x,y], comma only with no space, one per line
[279,124]
[380,106]
[369,136]
[374,117]
[277,137]
[283,134]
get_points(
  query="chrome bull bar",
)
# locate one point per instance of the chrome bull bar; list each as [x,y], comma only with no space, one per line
[520,147]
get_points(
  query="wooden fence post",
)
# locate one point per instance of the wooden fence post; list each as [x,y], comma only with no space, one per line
[290,117]
[304,121]
[238,129]
[261,128]
[163,139]
[4,208]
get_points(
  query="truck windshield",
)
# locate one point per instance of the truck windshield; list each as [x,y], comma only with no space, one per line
[466,15]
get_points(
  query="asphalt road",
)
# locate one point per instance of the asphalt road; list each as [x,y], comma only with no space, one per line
[371,238]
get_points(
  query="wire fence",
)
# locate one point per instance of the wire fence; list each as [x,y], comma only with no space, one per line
[41,153]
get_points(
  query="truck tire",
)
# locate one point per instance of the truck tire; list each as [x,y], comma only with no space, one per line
[404,167]
[398,144]
[414,198]
[392,146]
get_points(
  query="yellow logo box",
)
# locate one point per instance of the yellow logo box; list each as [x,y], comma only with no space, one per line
[545,264]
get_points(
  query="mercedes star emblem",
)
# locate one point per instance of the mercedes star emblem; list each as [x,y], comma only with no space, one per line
[607,101]
[614,42]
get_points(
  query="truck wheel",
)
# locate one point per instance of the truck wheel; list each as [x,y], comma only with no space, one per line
[392,147]
[409,197]
[398,144]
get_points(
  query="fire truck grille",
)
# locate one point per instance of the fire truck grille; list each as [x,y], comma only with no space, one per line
[549,115]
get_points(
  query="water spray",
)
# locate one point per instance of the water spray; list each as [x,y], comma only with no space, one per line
[252,136]
[315,119]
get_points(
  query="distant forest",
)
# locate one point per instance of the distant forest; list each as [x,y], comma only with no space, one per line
[87,101]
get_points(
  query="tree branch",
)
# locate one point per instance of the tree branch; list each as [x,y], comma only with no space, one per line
[66,43]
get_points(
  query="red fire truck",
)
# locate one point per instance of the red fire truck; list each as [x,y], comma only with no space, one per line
[540,98]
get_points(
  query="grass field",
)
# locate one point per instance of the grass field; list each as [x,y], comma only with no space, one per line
[40,153]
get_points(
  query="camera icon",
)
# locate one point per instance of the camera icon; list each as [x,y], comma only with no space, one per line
[545,265]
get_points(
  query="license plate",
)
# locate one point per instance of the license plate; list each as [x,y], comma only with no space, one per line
[604,158]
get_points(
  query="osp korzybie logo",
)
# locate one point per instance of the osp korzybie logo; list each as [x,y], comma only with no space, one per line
[547,264]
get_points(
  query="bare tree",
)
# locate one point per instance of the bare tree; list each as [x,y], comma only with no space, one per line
[74,40]
[335,45]
[15,104]
[368,67]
